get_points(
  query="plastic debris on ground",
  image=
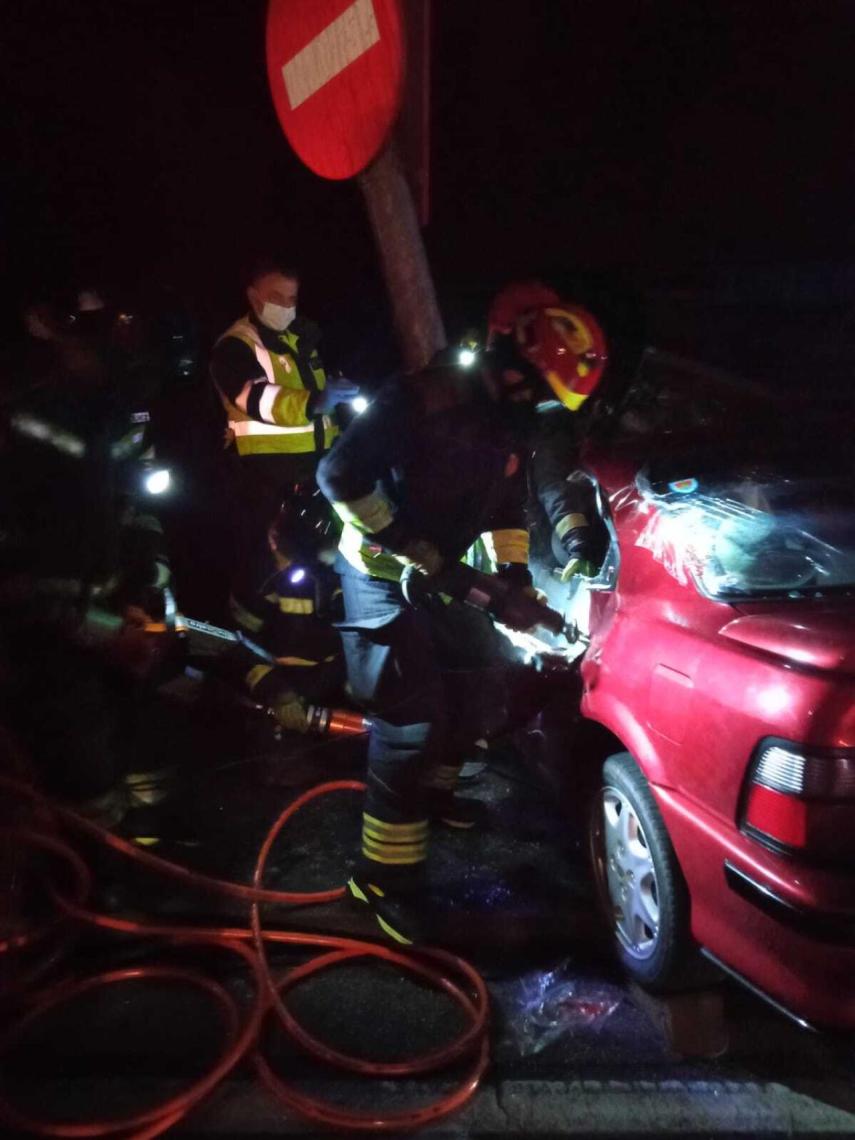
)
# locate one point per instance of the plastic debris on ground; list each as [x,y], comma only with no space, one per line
[540,1007]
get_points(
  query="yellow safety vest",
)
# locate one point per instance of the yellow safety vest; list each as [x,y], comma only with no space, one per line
[296,434]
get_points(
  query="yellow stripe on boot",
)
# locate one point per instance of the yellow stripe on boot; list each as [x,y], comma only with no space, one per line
[395,832]
[394,853]
[383,836]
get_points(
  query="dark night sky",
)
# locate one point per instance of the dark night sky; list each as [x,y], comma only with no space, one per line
[653,138]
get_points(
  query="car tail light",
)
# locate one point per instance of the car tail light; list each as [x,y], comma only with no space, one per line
[801,798]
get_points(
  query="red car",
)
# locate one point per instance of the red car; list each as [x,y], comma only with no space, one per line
[719,687]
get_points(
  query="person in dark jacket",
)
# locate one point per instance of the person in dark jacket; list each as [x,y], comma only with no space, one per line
[289,653]
[560,348]
[73,645]
[432,466]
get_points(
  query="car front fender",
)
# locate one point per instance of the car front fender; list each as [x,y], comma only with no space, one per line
[612,714]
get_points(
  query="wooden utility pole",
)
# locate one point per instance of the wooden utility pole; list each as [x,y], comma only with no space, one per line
[392,214]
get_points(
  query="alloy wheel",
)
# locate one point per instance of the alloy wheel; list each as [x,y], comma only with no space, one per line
[628,875]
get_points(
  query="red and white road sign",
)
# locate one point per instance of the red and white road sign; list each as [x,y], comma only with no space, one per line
[336,71]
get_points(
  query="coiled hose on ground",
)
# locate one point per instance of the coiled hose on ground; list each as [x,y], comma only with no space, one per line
[45,831]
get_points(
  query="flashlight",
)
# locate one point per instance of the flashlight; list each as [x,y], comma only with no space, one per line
[359,404]
[157,481]
[466,357]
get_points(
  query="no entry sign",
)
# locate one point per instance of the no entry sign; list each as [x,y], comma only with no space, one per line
[335,69]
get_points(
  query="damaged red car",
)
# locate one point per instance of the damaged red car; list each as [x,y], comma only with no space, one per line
[718,690]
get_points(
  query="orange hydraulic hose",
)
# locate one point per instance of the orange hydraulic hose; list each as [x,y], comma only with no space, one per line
[445,971]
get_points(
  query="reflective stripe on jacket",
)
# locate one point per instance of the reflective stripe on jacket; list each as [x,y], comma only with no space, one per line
[269,415]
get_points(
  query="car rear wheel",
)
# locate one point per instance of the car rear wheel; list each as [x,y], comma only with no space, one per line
[639,882]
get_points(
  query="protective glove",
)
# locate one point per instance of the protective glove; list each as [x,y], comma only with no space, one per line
[423,556]
[578,568]
[336,392]
[290,713]
[515,616]
[538,595]
[517,573]
[576,545]
[125,641]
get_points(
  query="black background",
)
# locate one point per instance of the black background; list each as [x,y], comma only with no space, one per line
[653,142]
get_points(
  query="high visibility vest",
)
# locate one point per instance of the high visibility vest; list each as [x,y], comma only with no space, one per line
[294,433]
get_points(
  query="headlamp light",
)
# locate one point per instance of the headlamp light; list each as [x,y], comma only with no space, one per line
[158,481]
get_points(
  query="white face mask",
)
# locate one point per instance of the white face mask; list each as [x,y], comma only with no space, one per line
[276,317]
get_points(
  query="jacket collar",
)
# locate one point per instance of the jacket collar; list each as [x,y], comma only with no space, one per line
[276,341]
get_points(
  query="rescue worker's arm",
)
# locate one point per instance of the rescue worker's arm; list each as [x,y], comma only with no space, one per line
[350,477]
[565,496]
[243,382]
[292,656]
[286,690]
[507,541]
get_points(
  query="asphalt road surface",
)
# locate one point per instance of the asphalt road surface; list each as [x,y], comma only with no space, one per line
[575,1051]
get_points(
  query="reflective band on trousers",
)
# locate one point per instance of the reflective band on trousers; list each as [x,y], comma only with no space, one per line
[394,843]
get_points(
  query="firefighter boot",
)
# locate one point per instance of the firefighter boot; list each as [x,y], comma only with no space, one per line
[460,812]
[151,825]
[390,877]
[475,767]
[107,810]
[445,806]
[396,912]
[148,789]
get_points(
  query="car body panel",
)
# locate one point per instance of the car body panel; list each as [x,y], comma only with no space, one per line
[691,686]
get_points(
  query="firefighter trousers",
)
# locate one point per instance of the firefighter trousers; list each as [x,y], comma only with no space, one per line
[427,675]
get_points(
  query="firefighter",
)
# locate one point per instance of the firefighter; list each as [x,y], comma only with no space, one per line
[278,403]
[289,655]
[429,468]
[560,349]
[71,652]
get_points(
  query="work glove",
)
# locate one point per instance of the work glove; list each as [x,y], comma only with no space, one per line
[336,392]
[519,575]
[538,595]
[126,640]
[576,546]
[290,713]
[423,556]
[515,616]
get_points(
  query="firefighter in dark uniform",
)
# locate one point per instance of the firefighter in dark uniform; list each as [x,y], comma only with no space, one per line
[278,403]
[430,467]
[289,654]
[72,646]
[532,328]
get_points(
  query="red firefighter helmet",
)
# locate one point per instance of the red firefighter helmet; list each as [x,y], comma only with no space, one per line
[563,341]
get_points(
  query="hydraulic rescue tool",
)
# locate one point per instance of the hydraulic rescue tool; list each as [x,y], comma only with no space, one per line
[319,720]
[507,602]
